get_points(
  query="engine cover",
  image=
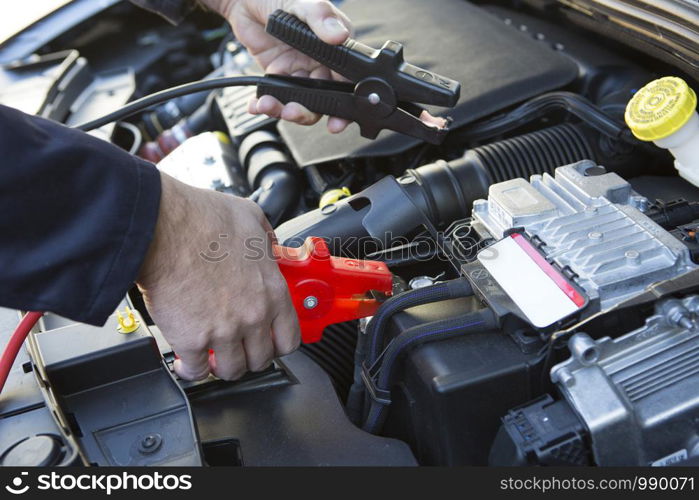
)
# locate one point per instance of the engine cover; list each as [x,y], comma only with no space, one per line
[590,226]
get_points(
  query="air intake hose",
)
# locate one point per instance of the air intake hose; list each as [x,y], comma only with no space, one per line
[439,193]
[445,191]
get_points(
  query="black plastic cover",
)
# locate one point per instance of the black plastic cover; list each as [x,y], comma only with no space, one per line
[119,399]
[296,421]
[453,392]
[496,65]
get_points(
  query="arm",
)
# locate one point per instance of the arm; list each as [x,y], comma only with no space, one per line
[76,216]
[81,220]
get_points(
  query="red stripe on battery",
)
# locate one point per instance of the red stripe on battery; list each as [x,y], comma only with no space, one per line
[559,280]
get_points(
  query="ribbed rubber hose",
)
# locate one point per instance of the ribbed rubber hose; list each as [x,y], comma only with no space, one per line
[480,320]
[534,153]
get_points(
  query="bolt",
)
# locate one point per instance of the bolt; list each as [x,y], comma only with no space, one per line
[310,302]
[641,203]
[677,314]
[150,444]
[686,323]
[374,98]
[633,256]
[595,170]
[595,235]
[565,377]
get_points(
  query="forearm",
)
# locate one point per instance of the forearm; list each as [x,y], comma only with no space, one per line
[77,215]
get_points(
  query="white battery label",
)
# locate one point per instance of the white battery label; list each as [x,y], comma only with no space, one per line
[538,289]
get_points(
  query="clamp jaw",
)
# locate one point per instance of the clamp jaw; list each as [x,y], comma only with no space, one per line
[384,87]
[326,290]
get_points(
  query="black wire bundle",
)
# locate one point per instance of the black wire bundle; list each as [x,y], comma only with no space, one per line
[185,89]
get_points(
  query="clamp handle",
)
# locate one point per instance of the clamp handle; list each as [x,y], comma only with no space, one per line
[319,96]
[356,61]
[292,31]
[326,290]
[345,100]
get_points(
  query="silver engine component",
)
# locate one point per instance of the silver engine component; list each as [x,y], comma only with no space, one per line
[638,394]
[206,161]
[592,224]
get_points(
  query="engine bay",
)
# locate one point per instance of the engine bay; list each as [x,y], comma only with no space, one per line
[545,261]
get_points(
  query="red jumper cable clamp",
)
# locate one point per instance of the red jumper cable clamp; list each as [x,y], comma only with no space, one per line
[327,290]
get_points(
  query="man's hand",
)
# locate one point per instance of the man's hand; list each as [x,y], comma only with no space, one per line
[203,290]
[249,18]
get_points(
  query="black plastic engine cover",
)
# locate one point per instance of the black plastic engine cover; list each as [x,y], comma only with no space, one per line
[496,65]
[116,392]
[453,393]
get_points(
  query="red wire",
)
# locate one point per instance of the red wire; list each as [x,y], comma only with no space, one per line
[15,344]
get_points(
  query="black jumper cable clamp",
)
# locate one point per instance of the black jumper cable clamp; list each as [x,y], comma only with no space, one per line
[384,87]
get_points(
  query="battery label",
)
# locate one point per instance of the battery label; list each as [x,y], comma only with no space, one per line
[538,289]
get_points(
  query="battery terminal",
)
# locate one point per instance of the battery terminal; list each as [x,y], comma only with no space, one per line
[127,321]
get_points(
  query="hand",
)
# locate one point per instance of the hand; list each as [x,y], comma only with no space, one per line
[204,292]
[249,18]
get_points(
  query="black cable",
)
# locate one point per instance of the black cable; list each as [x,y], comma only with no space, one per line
[368,348]
[443,329]
[536,107]
[167,94]
[445,290]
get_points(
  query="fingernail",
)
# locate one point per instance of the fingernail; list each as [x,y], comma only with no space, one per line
[334,26]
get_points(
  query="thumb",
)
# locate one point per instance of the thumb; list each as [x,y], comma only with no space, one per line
[331,25]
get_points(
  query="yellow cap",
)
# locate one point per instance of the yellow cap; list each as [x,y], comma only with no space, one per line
[660,108]
[222,137]
[333,196]
[127,322]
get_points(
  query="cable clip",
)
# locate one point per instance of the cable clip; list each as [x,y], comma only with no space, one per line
[381,396]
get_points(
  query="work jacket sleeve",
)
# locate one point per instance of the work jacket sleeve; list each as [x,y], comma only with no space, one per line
[77,215]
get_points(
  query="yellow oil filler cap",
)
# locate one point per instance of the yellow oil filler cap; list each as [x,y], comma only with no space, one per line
[660,109]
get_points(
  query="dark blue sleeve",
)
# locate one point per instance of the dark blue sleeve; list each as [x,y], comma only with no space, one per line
[77,215]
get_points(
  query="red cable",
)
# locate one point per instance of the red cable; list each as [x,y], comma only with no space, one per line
[15,343]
